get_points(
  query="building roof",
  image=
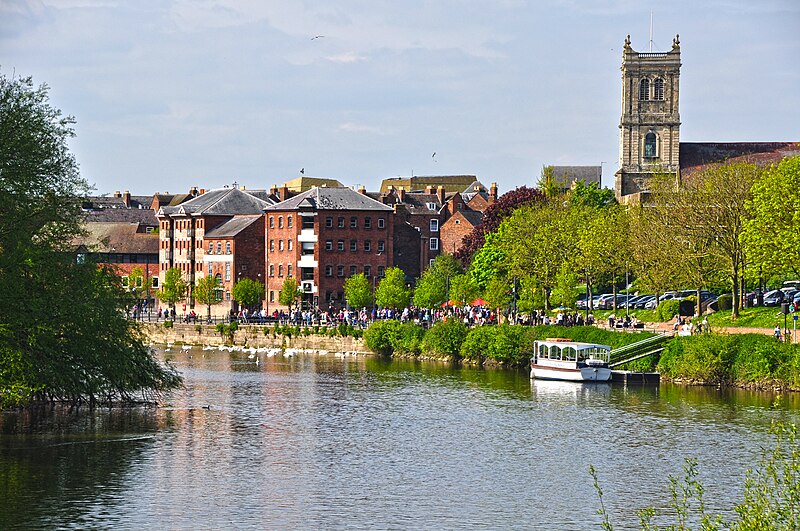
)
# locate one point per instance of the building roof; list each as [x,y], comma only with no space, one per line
[698,156]
[123,238]
[303,183]
[222,202]
[566,175]
[325,198]
[474,217]
[122,215]
[232,227]
[409,184]
[417,203]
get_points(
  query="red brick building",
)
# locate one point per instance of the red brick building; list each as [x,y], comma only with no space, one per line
[232,251]
[323,236]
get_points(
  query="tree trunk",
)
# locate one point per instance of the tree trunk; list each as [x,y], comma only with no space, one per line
[698,310]
[735,301]
[614,292]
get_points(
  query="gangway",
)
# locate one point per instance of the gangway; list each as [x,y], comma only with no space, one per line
[640,349]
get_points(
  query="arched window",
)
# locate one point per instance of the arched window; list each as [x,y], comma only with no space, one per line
[658,89]
[644,90]
[650,145]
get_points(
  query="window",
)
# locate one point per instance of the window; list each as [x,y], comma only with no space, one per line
[340,245]
[307,249]
[658,89]
[290,244]
[431,261]
[329,245]
[380,271]
[381,223]
[280,270]
[307,223]
[280,222]
[353,222]
[650,145]
[280,245]
[227,270]
[289,221]
[329,222]
[368,222]
[644,89]
[340,271]
[434,244]
[341,222]
[434,225]
[227,295]
[328,270]
[210,247]
[272,270]
[367,271]
[381,246]
[431,206]
[458,222]
[272,245]
[289,270]
[271,296]
[353,246]
[367,246]
[124,282]
[272,222]
[352,270]
[154,283]
[219,247]
[227,247]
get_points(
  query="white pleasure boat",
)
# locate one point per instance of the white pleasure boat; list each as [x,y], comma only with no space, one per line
[564,359]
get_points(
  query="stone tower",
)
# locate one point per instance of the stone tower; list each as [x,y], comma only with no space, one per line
[650,123]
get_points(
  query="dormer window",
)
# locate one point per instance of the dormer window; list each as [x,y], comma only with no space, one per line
[644,90]
[431,206]
[650,145]
[658,89]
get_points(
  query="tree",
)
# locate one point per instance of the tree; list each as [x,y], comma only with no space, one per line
[63,332]
[357,291]
[138,283]
[493,216]
[174,287]
[463,288]
[207,291]
[590,195]
[772,231]
[497,293]
[248,292]
[547,183]
[392,291]
[290,293]
[432,288]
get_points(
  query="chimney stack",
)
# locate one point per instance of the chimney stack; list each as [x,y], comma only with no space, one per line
[126,198]
[401,195]
[429,189]
[440,193]
[493,193]
[202,191]
[193,191]
[362,190]
[284,193]
[117,194]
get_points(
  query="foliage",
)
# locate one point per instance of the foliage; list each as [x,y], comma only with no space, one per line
[564,293]
[772,232]
[667,310]
[207,292]
[379,337]
[174,287]
[290,293]
[463,289]
[445,338]
[168,323]
[511,344]
[357,291]
[490,261]
[548,184]
[477,343]
[493,216]
[724,302]
[248,292]
[432,288]
[138,282]
[63,332]
[392,291]
[591,195]
[498,292]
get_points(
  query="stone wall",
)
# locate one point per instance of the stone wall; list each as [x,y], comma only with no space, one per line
[249,336]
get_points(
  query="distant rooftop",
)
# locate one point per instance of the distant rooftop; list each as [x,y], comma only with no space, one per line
[698,156]
[450,183]
[325,198]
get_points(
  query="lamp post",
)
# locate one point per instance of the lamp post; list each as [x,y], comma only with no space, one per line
[627,292]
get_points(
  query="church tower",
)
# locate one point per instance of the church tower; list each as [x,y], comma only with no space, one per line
[650,123]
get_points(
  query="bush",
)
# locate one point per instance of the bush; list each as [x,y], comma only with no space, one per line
[478,342]
[667,310]
[379,337]
[234,326]
[511,344]
[408,339]
[445,338]
[198,329]
[167,324]
[724,302]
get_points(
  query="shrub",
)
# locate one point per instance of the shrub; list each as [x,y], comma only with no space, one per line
[167,324]
[234,326]
[724,302]
[511,344]
[445,338]
[198,329]
[667,310]
[379,337]
[408,339]
[478,342]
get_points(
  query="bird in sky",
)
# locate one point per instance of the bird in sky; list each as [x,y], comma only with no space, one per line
[317,37]
[302,171]
[434,155]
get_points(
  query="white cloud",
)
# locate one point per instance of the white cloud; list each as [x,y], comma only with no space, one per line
[351,127]
[347,57]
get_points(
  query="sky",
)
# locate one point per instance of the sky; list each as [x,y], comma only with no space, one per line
[170,94]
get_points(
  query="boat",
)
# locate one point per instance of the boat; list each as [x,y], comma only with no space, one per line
[565,359]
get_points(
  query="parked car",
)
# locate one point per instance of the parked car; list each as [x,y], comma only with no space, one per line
[642,302]
[774,297]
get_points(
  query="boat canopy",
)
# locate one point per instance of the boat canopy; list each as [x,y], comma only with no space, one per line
[567,350]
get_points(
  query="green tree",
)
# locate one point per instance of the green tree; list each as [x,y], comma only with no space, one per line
[392,291]
[590,195]
[357,291]
[174,287]
[249,293]
[463,288]
[85,348]
[431,290]
[565,293]
[497,293]
[772,230]
[290,293]
[207,291]
[547,183]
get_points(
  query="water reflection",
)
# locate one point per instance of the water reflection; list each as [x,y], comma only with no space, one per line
[326,441]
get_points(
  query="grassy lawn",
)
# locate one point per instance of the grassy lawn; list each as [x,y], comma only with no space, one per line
[751,318]
[647,316]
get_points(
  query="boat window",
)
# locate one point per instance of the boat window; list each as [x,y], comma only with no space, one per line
[543,351]
[569,353]
[555,353]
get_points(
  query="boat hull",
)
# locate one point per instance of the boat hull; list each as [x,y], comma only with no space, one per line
[577,374]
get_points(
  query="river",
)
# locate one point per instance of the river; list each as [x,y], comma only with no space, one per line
[314,442]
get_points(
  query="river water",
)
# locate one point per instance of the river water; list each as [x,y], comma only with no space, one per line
[320,442]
